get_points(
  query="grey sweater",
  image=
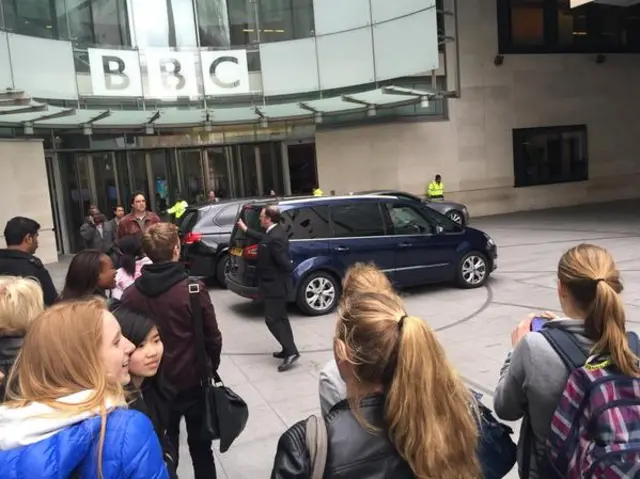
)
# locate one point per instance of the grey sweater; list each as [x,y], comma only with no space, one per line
[332,388]
[531,383]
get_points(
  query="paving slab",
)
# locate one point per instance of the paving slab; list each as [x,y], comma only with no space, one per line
[473,325]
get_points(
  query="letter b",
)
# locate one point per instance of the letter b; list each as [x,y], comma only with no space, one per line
[173,72]
[114,76]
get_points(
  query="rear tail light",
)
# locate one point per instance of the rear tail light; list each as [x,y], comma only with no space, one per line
[191,238]
[251,251]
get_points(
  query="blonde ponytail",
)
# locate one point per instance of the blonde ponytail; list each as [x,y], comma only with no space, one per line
[427,411]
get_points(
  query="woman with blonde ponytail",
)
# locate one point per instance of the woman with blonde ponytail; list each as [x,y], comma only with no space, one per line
[533,377]
[407,414]
[66,414]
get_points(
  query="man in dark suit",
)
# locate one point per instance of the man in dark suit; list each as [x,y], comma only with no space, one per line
[274,270]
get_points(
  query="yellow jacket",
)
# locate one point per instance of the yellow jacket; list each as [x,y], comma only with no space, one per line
[317,192]
[435,190]
[178,209]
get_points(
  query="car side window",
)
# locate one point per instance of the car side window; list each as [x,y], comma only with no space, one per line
[357,220]
[307,222]
[227,216]
[407,220]
[441,220]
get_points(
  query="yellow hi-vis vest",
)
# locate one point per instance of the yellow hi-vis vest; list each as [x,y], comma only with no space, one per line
[435,190]
[317,192]
[178,209]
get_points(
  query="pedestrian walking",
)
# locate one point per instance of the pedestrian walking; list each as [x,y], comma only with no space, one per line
[274,272]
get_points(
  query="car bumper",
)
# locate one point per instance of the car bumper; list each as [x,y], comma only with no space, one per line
[250,292]
[493,257]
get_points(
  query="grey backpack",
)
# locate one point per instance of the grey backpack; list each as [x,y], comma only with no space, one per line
[317,445]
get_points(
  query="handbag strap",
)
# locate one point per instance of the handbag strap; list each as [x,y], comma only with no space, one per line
[198,334]
[198,328]
[316,436]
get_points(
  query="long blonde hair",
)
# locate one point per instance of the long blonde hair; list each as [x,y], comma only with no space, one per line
[60,356]
[427,411]
[361,277]
[21,300]
[589,274]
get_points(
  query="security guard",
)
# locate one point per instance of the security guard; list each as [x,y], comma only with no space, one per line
[435,190]
[317,192]
[179,208]
[21,236]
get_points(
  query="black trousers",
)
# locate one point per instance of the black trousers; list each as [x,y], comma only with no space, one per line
[190,405]
[275,315]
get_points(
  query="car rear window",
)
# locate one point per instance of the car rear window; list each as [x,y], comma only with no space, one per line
[227,216]
[189,220]
[251,216]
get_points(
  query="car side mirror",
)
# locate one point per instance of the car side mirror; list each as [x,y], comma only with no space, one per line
[439,229]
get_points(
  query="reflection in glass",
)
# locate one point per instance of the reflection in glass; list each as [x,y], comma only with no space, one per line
[106,188]
[192,176]
[161,184]
[80,21]
[124,181]
[249,171]
[271,169]
[171,24]
[219,172]
[243,23]
[527,22]
[110,22]
[285,20]
[213,20]
[73,204]
[31,17]
[138,171]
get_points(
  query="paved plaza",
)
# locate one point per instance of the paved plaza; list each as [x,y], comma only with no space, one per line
[473,325]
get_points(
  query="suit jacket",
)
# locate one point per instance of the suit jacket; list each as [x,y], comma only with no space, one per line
[94,240]
[274,264]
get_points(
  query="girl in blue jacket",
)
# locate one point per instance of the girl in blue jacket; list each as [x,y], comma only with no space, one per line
[66,415]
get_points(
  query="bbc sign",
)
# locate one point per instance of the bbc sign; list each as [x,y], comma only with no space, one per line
[168,74]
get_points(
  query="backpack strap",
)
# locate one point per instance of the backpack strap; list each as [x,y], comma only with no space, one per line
[317,445]
[566,346]
[634,343]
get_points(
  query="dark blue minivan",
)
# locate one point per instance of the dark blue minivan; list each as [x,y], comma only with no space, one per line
[409,241]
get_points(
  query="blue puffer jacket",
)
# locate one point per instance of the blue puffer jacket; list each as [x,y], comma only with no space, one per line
[131,448]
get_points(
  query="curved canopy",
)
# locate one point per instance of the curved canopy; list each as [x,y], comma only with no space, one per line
[18,110]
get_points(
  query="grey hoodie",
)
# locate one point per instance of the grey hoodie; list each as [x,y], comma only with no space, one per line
[532,380]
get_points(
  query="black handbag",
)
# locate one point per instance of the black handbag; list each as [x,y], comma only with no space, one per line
[225,413]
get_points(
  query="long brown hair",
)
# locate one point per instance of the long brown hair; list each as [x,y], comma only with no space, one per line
[427,410]
[589,274]
[60,356]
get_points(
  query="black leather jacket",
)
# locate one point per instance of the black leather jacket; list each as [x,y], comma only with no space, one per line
[9,349]
[353,451]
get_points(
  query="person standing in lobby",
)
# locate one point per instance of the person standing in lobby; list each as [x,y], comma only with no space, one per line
[21,236]
[137,222]
[274,269]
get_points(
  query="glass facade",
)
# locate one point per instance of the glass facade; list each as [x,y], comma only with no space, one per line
[108,178]
[174,23]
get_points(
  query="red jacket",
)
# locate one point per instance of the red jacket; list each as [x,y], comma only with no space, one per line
[129,225]
[162,293]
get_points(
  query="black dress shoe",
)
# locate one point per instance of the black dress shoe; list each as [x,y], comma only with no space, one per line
[280,355]
[288,362]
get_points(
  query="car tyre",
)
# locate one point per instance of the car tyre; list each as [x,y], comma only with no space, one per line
[473,270]
[318,293]
[222,268]
[456,217]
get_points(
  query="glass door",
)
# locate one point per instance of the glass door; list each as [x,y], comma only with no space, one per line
[160,175]
[191,175]
[219,175]
[105,182]
[55,207]
[248,166]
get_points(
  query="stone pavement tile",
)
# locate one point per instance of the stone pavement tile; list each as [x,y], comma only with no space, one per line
[263,423]
[230,373]
[289,384]
[252,460]
[292,410]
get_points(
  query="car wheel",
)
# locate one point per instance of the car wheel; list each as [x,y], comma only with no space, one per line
[473,270]
[222,268]
[456,217]
[318,293]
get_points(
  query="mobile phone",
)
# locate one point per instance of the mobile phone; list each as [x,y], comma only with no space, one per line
[537,323]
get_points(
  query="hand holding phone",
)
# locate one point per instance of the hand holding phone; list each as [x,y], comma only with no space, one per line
[538,322]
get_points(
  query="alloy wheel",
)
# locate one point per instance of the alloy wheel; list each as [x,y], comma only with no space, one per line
[474,270]
[456,217]
[320,293]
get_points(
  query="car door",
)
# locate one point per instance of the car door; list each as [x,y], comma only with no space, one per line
[424,253]
[359,235]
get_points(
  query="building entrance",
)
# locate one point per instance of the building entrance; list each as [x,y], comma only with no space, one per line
[108,178]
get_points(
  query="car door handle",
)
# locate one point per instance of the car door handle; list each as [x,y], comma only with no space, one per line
[340,249]
[405,245]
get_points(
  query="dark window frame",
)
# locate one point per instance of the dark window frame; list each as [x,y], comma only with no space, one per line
[551,30]
[519,164]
